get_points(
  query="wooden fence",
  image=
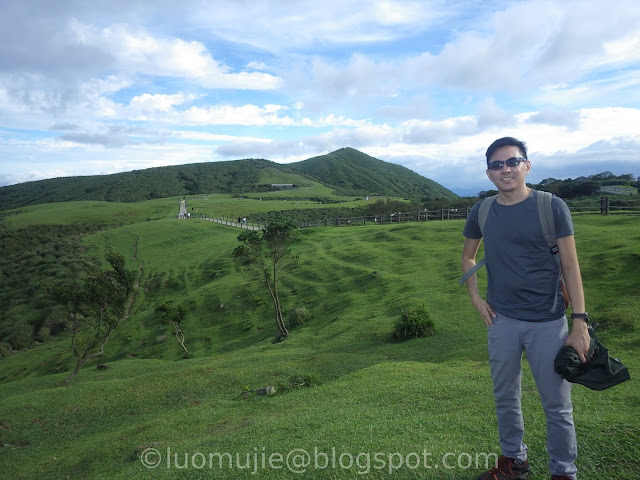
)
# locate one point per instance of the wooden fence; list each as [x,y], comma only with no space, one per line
[422,215]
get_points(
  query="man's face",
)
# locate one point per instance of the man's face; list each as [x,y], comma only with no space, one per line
[508,179]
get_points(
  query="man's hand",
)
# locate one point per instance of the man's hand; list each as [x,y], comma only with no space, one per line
[484,309]
[579,339]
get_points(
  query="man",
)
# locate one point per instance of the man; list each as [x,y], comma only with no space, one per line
[524,310]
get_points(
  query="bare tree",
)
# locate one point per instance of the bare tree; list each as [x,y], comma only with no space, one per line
[265,256]
[174,315]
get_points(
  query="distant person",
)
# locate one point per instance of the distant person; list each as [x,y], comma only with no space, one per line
[524,310]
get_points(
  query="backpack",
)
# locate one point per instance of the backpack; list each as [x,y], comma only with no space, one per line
[545,215]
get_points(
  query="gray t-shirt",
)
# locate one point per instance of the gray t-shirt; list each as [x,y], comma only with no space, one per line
[522,273]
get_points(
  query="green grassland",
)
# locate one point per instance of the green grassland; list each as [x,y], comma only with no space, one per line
[92,213]
[342,385]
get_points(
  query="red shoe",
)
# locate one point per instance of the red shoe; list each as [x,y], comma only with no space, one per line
[507,469]
[560,477]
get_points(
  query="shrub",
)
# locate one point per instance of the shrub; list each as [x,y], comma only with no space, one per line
[297,317]
[413,323]
[5,349]
[43,334]
[21,335]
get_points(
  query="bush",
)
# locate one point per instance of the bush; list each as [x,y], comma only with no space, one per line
[413,323]
[297,317]
[5,349]
[21,335]
[43,334]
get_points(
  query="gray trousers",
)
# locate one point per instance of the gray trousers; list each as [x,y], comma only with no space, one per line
[507,338]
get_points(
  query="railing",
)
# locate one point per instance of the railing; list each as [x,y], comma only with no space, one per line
[423,215]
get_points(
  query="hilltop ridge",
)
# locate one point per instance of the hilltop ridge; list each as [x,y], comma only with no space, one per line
[347,170]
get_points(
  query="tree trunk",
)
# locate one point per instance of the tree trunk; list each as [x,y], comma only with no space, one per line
[79,364]
[276,298]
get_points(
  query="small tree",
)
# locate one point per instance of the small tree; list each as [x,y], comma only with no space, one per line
[174,315]
[95,308]
[265,256]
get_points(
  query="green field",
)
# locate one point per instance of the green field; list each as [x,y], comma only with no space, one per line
[358,403]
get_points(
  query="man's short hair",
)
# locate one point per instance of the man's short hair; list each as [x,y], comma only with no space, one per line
[507,142]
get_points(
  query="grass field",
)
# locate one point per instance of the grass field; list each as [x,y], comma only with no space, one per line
[348,400]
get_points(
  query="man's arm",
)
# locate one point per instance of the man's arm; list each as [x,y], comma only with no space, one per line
[579,337]
[469,252]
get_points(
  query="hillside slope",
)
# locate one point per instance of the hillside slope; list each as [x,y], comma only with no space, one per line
[346,170]
[160,182]
[352,172]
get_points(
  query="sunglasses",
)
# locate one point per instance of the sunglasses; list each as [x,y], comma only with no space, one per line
[511,162]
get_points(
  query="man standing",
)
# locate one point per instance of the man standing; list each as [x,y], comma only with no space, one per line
[524,310]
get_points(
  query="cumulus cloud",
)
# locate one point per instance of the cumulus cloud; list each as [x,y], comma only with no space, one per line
[112,141]
[491,115]
[568,119]
[136,50]
[313,23]
[65,126]
[444,131]
[614,144]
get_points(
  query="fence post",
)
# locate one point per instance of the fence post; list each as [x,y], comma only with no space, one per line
[364,220]
[604,205]
[442,214]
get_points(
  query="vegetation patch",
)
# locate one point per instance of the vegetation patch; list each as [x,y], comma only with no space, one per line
[414,322]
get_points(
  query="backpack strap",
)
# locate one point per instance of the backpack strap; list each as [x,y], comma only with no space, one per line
[548,225]
[545,213]
[483,213]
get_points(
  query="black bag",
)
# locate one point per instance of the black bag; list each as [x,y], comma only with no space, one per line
[599,373]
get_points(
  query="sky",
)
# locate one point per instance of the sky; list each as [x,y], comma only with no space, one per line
[100,87]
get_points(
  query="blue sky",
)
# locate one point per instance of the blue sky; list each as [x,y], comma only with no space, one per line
[107,86]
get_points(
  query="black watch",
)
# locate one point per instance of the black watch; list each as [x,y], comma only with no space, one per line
[584,315]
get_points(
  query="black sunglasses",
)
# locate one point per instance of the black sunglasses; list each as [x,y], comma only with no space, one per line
[511,162]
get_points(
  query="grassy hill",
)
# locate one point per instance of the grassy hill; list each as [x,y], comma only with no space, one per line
[139,185]
[342,385]
[347,170]
[352,172]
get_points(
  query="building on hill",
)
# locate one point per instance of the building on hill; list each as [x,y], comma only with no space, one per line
[282,185]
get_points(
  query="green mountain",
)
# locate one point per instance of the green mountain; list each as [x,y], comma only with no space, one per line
[347,170]
[138,185]
[352,172]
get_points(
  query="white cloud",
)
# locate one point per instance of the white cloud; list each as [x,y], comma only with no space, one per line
[273,24]
[567,118]
[138,51]
[490,115]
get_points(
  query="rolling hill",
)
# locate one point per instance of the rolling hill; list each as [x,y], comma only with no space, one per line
[352,172]
[348,171]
